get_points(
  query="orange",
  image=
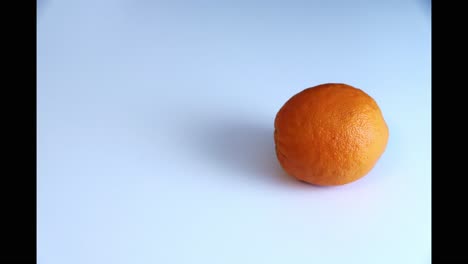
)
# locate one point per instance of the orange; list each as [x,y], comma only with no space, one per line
[330,134]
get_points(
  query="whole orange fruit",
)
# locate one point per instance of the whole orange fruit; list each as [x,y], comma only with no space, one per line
[330,134]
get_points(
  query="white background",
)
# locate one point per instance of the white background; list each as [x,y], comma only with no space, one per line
[155,131]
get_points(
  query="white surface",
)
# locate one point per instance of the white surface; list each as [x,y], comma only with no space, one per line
[155,131]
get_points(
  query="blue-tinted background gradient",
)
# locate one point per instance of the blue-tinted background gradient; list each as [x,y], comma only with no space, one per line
[155,131]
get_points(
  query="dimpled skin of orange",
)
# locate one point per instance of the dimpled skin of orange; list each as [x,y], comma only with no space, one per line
[330,134]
